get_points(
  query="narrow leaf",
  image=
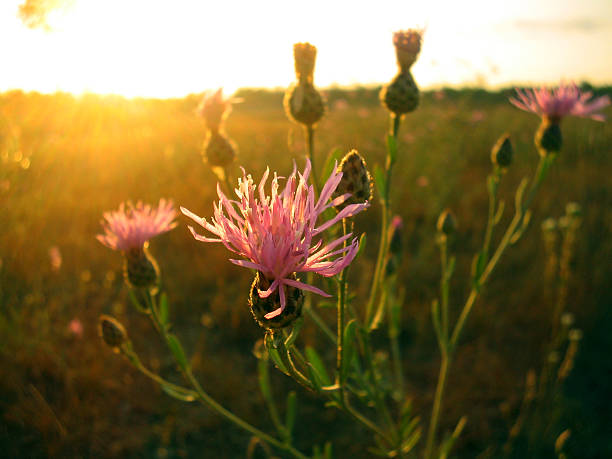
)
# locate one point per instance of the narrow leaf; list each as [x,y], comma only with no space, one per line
[392,148]
[349,347]
[291,412]
[274,354]
[333,156]
[380,181]
[179,393]
[295,332]
[499,213]
[176,348]
[163,309]
[318,366]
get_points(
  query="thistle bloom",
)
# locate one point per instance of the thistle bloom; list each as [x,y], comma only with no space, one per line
[559,102]
[131,226]
[278,234]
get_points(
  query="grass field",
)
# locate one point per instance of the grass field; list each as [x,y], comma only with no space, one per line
[65,160]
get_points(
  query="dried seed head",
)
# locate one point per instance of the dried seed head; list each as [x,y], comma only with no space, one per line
[140,269]
[447,224]
[304,104]
[218,150]
[112,332]
[548,138]
[305,55]
[262,306]
[356,180]
[401,95]
[407,47]
[502,151]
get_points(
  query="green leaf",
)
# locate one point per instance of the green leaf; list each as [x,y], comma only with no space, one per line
[478,265]
[327,451]
[380,181]
[179,393]
[392,148]
[326,304]
[499,213]
[274,354]
[333,156]
[319,368]
[264,378]
[295,332]
[450,268]
[163,309]
[349,347]
[362,244]
[448,443]
[291,412]
[135,301]
[176,348]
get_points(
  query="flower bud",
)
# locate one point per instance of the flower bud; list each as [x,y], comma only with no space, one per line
[446,223]
[304,104]
[214,109]
[501,154]
[112,332]
[356,180]
[401,95]
[218,151]
[548,138]
[407,47]
[262,306]
[140,269]
[305,55]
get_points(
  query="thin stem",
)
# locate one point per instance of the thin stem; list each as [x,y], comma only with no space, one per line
[378,277]
[494,180]
[433,422]
[311,156]
[444,285]
[213,404]
[319,321]
[341,311]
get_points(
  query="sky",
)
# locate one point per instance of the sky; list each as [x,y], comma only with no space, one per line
[171,48]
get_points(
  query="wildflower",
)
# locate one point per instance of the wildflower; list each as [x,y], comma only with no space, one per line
[552,106]
[559,102]
[277,234]
[401,95]
[303,103]
[55,257]
[75,327]
[214,108]
[129,229]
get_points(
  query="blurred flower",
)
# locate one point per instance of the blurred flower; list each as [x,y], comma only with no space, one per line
[131,226]
[559,102]
[477,116]
[56,258]
[278,234]
[75,327]
[422,181]
[407,46]
[214,108]
[304,55]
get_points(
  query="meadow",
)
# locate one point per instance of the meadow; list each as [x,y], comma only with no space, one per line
[65,160]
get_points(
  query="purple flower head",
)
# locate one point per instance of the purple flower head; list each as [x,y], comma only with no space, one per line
[131,226]
[559,102]
[277,234]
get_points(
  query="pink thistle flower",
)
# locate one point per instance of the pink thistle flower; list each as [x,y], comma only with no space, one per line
[278,234]
[559,102]
[131,226]
[75,327]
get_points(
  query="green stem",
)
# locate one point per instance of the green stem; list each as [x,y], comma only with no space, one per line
[433,422]
[378,277]
[311,156]
[320,323]
[341,311]
[444,286]
[213,404]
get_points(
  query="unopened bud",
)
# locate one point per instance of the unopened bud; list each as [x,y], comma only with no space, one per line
[305,55]
[140,269]
[112,332]
[356,180]
[218,151]
[262,306]
[501,154]
[548,138]
[401,95]
[447,224]
[304,104]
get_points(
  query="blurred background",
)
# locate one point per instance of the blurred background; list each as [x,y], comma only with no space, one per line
[98,107]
